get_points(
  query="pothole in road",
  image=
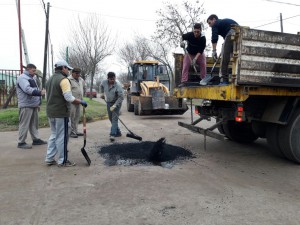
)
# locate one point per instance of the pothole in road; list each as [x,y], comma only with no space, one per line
[144,153]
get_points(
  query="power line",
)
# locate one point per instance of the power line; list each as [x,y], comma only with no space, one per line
[287,3]
[277,21]
[118,17]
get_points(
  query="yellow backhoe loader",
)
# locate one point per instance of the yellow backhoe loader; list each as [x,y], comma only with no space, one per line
[149,90]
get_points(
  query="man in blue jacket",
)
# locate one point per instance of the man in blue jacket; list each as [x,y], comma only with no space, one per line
[222,27]
[29,101]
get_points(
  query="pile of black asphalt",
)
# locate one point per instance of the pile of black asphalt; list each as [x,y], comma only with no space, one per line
[144,153]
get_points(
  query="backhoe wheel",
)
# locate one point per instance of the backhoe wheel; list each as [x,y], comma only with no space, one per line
[289,137]
[239,131]
[130,107]
[273,139]
[138,108]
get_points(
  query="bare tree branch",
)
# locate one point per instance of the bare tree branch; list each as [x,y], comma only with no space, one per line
[174,20]
[89,45]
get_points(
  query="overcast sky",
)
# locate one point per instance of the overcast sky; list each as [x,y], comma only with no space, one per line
[124,18]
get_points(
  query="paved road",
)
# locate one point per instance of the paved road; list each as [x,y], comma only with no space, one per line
[228,183]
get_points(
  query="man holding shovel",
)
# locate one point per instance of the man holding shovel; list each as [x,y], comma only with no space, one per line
[195,53]
[59,100]
[223,28]
[113,91]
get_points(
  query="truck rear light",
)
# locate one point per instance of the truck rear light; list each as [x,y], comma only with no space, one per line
[196,110]
[239,113]
[240,108]
[238,119]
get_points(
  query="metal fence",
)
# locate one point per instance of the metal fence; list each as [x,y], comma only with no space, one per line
[8,80]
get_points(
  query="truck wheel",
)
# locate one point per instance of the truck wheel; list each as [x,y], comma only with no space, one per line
[273,139]
[239,132]
[130,107]
[288,136]
[220,127]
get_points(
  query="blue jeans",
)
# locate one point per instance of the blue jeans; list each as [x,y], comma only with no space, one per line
[113,117]
[58,141]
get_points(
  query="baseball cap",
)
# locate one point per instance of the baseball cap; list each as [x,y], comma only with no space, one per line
[63,63]
[76,70]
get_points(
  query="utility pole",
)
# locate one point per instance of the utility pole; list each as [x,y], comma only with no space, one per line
[13,90]
[20,34]
[46,47]
[67,54]
[281,23]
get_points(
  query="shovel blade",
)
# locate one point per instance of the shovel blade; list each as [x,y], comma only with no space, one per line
[84,153]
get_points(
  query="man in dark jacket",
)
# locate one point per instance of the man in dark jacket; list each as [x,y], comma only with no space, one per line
[195,53]
[59,98]
[222,27]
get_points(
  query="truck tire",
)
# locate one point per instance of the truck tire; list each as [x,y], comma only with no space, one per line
[239,131]
[289,137]
[220,127]
[130,107]
[273,139]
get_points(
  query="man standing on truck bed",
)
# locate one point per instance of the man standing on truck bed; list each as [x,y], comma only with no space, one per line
[195,53]
[222,27]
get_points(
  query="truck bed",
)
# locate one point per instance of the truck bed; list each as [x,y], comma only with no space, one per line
[266,58]
[263,63]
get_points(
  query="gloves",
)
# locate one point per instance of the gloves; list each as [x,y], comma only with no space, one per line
[102,96]
[83,103]
[194,61]
[182,45]
[112,108]
[214,55]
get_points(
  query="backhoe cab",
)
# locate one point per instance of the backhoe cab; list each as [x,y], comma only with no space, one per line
[148,92]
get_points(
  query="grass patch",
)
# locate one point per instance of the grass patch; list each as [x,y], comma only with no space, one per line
[9,118]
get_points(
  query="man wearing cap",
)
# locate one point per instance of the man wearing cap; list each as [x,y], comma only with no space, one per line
[59,99]
[77,91]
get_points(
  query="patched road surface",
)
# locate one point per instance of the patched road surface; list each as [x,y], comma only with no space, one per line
[228,183]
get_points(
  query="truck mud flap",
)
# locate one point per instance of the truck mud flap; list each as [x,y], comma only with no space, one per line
[206,132]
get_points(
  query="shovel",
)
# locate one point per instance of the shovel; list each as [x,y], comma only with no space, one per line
[130,134]
[208,78]
[84,153]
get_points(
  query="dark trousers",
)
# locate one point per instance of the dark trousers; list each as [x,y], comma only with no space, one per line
[227,49]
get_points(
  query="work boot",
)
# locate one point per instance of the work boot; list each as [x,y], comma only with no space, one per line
[24,145]
[38,142]
[119,134]
[72,135]
[50,163]
[112,138]
[68,163]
